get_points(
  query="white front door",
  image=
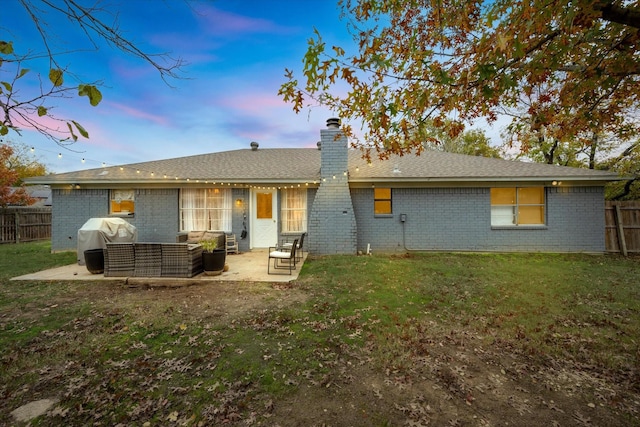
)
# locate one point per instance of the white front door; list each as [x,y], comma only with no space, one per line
[264,218]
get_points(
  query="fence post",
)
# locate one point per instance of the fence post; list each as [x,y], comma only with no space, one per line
[17,225]
[622,241]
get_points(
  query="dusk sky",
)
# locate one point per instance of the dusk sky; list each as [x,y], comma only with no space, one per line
[236,54]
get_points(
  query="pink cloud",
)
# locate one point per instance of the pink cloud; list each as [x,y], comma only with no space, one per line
[218,21]
[253,102]
[138,114]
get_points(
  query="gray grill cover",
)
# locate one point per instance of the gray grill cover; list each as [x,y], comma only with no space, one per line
[96,232]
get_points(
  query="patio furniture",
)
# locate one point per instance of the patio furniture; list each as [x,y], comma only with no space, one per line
[283,258]
[299,249]
[148,259]
[119,260]
[232,244]
[97,232]
[178,262]
[152,260]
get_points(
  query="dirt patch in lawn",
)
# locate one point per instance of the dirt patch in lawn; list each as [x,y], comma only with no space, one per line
[456,382]
[442,378]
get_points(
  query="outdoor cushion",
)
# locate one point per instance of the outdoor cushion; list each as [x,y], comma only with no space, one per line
[211,235]
[194,236]
[280,254]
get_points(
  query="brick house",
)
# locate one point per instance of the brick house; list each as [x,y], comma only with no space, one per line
[435,201]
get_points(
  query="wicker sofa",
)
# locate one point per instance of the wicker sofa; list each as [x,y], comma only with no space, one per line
[152,259]
[198,236]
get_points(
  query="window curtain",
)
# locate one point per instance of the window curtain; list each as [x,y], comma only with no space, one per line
[226,210]
[206,209]
[294,210]
[191,204]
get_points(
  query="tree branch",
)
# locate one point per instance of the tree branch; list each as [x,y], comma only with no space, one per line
[620,15]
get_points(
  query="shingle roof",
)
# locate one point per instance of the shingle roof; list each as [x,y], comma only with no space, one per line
[442,166]
[288,165]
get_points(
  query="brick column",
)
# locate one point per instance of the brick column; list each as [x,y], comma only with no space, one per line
[332,222]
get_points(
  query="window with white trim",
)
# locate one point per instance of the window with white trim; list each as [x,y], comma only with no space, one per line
[517,206]
[293,210]
[206,209]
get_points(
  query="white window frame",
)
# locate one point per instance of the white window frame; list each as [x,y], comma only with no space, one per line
[206,209]
[293,210]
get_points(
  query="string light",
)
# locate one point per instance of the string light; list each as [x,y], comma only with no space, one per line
[84,160]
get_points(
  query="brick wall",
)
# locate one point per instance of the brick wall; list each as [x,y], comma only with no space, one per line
[241,214]
[156,214]
[459,219]
[70,210]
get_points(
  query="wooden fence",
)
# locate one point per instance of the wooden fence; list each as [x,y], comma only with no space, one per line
[24,224]
[623,227]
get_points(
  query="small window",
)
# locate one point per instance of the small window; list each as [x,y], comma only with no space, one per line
[122,202]
[264,205]
[382,201]
[517,206]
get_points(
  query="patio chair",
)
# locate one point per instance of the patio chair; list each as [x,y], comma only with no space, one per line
[283,258]
[299,249]
[232,244]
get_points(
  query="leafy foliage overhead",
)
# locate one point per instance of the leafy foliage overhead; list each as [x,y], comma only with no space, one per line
[98,22]
[451,62]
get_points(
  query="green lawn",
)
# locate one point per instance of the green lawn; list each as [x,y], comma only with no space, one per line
[437,338]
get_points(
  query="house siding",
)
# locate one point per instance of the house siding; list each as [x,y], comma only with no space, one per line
[440,219]
[156,214]
[239,218]
[70,210]
[459,219]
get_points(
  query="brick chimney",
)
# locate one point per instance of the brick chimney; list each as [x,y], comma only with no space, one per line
[332,222]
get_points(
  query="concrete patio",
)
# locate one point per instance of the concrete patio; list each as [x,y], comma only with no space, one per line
[244,267]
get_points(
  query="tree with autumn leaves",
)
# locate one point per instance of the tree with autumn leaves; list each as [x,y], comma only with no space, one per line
[564,71]
[10,177]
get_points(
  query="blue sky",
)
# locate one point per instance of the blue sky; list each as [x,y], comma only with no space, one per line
[236,54]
